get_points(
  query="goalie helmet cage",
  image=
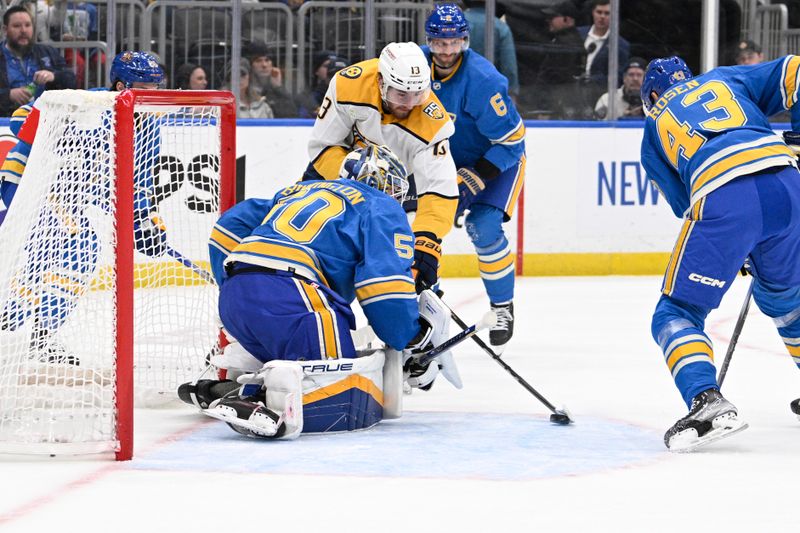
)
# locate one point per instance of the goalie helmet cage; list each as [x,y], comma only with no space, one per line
[97,308]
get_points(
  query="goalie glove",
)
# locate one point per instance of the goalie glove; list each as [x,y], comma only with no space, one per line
[434,319]
[150,236]
[792,140]
[427,253]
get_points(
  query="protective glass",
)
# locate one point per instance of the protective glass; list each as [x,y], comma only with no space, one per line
[406,98]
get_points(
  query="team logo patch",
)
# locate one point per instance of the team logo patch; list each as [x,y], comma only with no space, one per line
[127,57]
[351,72]
[7,142]
[437,86]
[434,111]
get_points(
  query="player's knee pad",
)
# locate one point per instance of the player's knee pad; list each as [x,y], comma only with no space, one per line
[484,225]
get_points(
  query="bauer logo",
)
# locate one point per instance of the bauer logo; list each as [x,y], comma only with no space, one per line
[705,280]
[327,367]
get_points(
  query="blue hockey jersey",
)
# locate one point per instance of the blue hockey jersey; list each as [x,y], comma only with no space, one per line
[707,131]
[487,124]
[342,234]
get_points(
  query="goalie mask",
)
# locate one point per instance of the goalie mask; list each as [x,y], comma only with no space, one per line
[378,167]
[405,74]
[136,67]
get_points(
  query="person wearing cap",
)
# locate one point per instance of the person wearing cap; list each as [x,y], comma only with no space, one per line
[556,84]
[326,64]
[595,40]
[628,98]
[267,79]
[388,101]
[748,53]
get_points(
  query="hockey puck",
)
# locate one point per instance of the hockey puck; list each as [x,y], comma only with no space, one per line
[561,417]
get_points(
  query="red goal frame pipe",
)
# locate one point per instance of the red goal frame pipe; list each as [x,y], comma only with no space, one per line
[124,133]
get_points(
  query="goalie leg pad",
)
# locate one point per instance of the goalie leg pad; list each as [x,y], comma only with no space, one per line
[343,394]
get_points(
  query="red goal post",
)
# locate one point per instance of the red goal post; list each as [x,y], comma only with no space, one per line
[96,307]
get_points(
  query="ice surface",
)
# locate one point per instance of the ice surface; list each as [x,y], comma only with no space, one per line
[480,459]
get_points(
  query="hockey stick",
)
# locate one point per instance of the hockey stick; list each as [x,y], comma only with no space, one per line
[736,331]
[185,261]
[559,416]
[488,320]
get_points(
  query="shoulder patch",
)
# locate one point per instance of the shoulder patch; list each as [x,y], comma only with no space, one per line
[351,72]
[434,111]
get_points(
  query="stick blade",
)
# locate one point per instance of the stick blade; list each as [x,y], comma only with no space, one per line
[562,417]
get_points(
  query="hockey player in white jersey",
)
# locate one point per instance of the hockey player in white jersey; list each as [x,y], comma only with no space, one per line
[388,101]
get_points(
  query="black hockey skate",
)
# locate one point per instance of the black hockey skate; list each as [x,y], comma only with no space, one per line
[48,350]
[711,418]
[205,391]
[502,331]
[249,418]
[795,407]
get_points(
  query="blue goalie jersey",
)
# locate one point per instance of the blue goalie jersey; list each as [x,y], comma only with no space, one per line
[709,130]
[487,124]
[341,234]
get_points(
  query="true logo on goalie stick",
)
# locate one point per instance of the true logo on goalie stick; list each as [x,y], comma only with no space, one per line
[351,72]
[434,111]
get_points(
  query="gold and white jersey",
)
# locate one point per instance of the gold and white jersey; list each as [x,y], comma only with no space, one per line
[352,112]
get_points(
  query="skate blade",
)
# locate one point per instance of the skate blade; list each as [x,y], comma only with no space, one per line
[262,427]
[723,426]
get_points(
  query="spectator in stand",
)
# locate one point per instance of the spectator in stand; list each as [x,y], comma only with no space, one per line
[250,104]
[628,100]
[748,53]
[191,77]
[556,85]
[505,55]
[267,79]
[27,69]
[326,65]
[595,41]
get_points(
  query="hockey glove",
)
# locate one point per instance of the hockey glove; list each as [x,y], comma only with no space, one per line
[469,185]
[427,253]
[150,236]
[434,321]
[792,140]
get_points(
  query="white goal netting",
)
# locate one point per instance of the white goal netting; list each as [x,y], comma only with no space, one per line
[58,304]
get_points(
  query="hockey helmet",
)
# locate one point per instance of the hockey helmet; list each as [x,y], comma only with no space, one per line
[661,74]
[405,74]
[378,167]
[447,21]
[131,67]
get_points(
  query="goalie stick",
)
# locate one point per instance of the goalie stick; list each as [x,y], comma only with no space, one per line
[561,416]
[185,261]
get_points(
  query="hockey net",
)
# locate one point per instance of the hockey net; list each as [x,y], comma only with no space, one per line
[96,304]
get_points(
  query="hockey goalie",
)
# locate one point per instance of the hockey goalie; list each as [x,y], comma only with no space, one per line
[288,268]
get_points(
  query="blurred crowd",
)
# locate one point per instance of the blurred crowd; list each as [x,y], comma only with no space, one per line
[555,55]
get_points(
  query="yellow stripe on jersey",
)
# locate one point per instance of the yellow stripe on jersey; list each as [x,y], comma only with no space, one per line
[740,159]
[64,283]
[435,214]
[400,287]
[424,121]
[278,251]
[514,137]
[12,167]
[329,161]
[350,382]
[224,241]
[794,351]
[690,348]
[680,245]
[491,267]
[325,320]
[790,80]
[519,180]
